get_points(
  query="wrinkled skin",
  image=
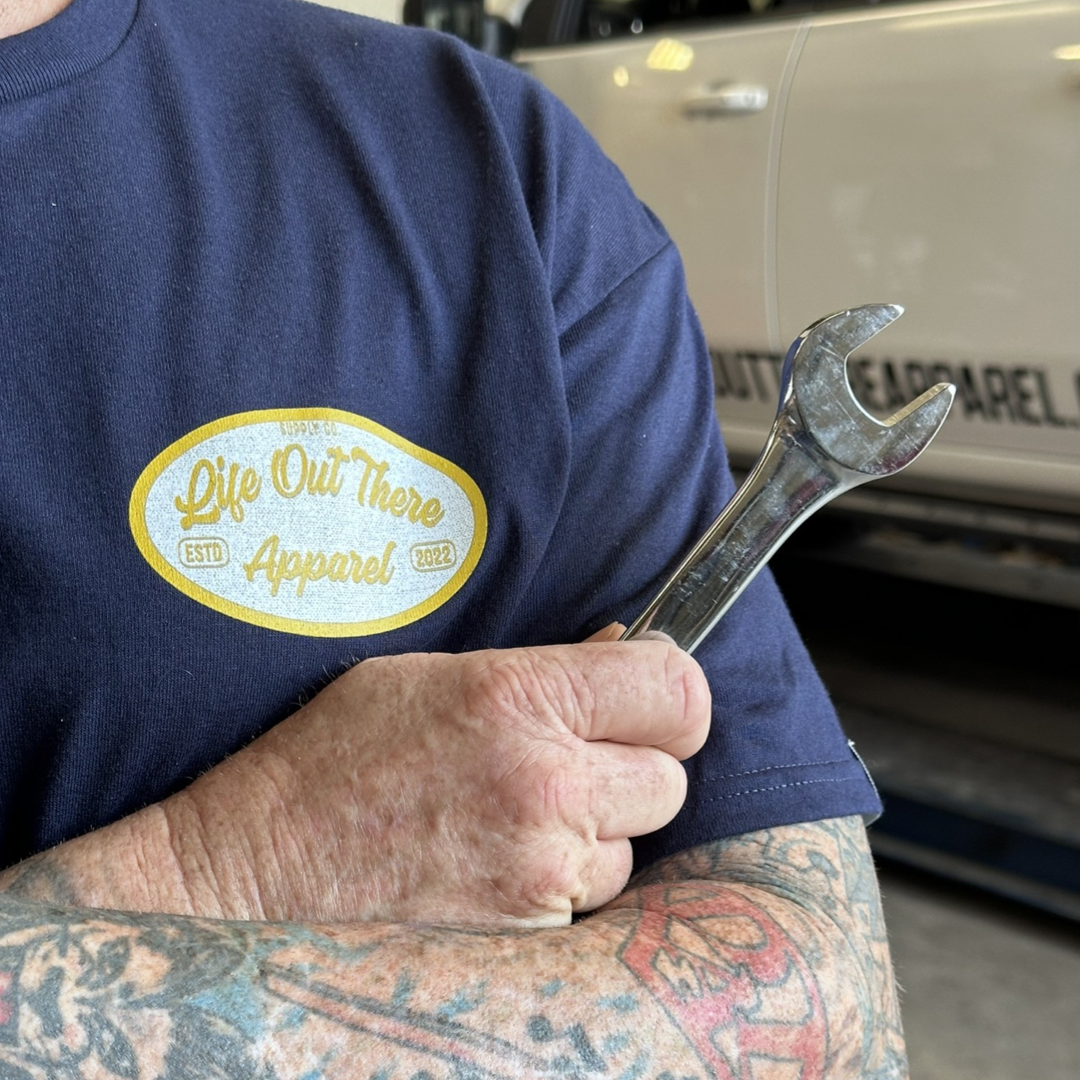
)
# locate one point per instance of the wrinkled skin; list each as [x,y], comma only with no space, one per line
[484,788]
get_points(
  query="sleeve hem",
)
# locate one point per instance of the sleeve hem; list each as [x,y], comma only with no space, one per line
[783,795]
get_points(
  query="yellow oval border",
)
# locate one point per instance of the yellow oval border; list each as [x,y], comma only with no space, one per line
[150,552]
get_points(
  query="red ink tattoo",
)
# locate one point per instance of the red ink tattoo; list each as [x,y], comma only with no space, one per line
[725,972]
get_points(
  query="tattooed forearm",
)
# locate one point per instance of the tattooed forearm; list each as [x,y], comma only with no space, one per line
[817,882]
[96,994]
[699,971]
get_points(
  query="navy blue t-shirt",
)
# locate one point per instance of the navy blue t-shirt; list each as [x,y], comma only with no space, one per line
[322,339]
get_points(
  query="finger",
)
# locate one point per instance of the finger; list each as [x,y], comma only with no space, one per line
[635,790]
[641,692]
[612,632]
[604,876]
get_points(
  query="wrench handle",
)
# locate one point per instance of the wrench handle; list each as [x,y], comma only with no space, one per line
[786,485]
[822,444]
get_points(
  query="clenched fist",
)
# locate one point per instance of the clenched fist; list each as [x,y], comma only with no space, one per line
[486,788]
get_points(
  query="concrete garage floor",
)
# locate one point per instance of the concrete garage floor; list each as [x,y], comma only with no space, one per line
[991,989]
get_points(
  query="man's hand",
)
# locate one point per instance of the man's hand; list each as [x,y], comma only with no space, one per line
[487,788]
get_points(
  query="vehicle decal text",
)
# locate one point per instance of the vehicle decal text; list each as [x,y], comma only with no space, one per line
[994,393]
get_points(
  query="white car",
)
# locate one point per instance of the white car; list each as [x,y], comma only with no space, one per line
[810,158]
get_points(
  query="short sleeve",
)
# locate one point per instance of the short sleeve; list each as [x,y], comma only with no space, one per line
[648,475]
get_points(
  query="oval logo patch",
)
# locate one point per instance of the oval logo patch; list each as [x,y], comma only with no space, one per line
[310,521]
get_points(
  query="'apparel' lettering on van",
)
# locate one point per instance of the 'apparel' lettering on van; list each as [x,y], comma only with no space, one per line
[992,393]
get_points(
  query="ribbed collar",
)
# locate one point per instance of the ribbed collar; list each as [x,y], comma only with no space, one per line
[83,35]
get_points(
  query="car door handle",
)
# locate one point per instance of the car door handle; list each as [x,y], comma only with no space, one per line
[725,99]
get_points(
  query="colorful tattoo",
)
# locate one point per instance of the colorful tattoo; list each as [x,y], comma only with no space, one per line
[731,979]
[758,956]
[822,877]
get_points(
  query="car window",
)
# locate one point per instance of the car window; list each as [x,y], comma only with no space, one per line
[605,19]
[500,26]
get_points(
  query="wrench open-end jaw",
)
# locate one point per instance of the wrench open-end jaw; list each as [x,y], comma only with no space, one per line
[822,443]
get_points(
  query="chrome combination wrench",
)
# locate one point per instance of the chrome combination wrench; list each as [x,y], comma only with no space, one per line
[822,443]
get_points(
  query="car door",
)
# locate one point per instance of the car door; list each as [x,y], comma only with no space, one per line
[931,157]
[691,116]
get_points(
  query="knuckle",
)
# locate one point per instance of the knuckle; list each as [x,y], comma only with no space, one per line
[663,784]
[556,876]
[549,884]
[488,695]
[619,866]
[605,877]
[687,684]
[673,785]
[530,686]
[540,792]
[565,796]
